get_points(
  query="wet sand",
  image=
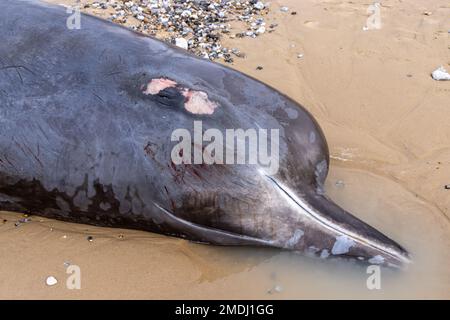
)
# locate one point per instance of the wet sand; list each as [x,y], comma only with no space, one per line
[388,127]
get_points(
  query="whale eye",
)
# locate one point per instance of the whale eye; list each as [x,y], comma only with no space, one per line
[170,97]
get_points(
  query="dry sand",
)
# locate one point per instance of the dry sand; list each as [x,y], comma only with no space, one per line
[388,127]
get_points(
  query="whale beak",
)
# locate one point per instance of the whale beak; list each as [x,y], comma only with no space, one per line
[355,238]
[318,225]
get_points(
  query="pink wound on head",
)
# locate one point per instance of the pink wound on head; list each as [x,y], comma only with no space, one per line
[157,85]
[197,102]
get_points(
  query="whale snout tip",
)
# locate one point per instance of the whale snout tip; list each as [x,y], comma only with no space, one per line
[393,257]
[372,250]
[327,230]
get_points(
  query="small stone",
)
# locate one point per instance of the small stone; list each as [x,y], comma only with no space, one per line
[284,9]
[440,74]
[294,13]
[427,13]
[300,55]
[259,68]
[339,184]
[259,5]
[447,187]
[261,30]
[182,43]
[275,289]
[90,238]
[51,281]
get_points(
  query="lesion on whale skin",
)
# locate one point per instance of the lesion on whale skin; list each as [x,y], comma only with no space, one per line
[195,101]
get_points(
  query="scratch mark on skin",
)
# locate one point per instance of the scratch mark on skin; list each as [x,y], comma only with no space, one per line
[101,54]
[113,73]
[16,68]
[10,163]
[20,76]
[98,97]
[29,151]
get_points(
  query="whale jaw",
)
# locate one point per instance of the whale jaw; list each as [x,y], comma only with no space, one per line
[319,226]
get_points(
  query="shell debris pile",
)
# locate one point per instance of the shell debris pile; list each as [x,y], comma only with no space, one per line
[195,25]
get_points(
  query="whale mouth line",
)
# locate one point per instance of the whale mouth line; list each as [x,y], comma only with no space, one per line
[327,223]
[209,232]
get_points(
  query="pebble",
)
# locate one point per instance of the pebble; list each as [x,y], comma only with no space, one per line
[276,288]
[300,55]
[284,9]
[182,43]
[90,238]
[440,74]
[261,30]
[51,281]
[340,184]
[447,186]
[259,68]
[23,220]
[259,5]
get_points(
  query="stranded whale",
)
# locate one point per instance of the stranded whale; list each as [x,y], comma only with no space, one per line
[108,127]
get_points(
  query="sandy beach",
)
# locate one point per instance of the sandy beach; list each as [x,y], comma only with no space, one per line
[387,123]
